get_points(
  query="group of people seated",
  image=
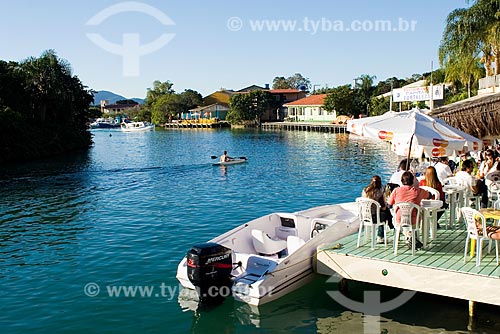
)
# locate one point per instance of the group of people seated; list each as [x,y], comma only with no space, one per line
[405,190]
[404,186]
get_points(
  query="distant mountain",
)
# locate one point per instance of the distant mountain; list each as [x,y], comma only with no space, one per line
[112,97]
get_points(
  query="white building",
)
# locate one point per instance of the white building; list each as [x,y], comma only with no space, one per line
[309,109]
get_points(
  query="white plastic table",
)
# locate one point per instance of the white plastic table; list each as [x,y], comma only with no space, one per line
[455,196]
[429,218]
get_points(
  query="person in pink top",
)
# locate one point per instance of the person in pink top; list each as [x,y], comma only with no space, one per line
[408,193]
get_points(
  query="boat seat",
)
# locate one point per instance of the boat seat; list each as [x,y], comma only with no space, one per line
[265,245]
[283,232]
[293,243]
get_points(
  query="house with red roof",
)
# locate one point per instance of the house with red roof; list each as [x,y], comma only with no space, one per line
[309,109]
[280,97]
[217,103]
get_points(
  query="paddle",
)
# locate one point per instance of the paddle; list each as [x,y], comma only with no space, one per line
[216,157]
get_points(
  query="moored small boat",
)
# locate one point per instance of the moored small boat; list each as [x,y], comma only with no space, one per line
[137,126]
[104,123]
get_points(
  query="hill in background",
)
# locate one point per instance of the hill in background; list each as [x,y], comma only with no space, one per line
[112,97]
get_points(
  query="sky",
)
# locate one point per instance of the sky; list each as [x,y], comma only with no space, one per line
[124,46]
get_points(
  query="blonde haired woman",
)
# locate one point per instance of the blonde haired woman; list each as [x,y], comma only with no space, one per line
[431,180]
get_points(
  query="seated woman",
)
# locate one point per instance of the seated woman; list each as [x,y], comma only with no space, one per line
[375,191]
[487,166]
[431,180]
[408,193]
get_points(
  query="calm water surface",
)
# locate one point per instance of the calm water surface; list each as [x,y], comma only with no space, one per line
[126,212]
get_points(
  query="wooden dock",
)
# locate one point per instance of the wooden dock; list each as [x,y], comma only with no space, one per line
[196,125]
[305,126]
[276,126]
[439,269]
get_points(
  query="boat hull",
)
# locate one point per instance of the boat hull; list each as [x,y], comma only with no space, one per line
[137,127]
[231,162]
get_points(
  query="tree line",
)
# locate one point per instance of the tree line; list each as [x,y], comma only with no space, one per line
[44,109]
[469,47]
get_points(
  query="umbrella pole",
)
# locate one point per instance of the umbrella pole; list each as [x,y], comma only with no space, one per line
[409,153]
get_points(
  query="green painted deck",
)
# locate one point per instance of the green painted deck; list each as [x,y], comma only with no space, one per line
[439,268]
[446,252]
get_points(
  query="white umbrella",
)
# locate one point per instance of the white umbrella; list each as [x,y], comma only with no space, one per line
[412,133]
[356,125]
[472,143]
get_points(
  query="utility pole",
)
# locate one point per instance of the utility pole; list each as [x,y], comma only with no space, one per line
[431,103]
[390,101]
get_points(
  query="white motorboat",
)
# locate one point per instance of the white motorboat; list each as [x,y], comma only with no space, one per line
[105,123]
[137,126]
[268,257]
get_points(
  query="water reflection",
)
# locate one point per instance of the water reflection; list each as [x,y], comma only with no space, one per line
[310,309]
[351,322]
[40,214]
[295,312]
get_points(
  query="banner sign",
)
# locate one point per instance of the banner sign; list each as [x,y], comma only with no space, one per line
[417,94]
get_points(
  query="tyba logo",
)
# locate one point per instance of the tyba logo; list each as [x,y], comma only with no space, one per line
[130,49]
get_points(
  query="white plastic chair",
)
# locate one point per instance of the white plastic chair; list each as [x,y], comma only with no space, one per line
[471,199]
[434,192]
[405,210]
[496,206]
[494,191]
[365,206]
[470,216]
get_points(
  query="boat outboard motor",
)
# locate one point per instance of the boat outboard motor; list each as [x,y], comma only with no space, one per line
[209,267]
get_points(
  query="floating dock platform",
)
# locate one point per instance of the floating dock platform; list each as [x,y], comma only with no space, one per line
[438,269]
[305,126]
[196,125]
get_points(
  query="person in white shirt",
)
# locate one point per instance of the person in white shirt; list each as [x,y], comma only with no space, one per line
[396,177]
[442,169]
[466,177]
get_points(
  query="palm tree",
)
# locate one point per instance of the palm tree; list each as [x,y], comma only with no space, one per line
[485,15]
[364,89]
[465,69]
[472,33]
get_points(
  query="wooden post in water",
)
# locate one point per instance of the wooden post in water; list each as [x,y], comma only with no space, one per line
[472,315]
